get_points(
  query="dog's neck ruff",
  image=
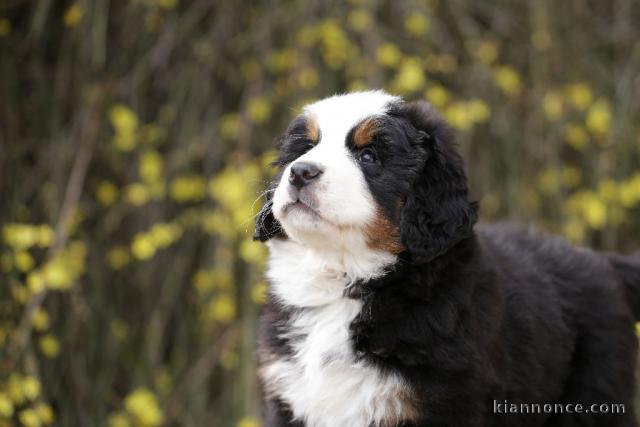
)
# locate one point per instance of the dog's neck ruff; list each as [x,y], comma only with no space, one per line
[322,381]
[301,276]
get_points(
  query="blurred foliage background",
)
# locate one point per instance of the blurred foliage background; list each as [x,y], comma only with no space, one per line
[135,139]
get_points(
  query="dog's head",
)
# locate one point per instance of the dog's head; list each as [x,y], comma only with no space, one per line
[372,166]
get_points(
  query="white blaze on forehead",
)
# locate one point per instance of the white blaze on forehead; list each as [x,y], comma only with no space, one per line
[337,115]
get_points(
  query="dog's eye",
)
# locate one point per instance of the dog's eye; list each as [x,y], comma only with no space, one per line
[367,155]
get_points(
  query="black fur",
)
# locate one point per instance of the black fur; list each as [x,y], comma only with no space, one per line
[469,317]
[292,144]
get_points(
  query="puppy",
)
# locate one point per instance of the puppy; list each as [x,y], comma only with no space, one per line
[388,307]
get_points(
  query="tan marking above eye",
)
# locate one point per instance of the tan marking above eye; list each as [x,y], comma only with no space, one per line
[364,132]
[313,132]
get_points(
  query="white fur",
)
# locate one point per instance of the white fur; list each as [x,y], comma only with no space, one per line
[323,383]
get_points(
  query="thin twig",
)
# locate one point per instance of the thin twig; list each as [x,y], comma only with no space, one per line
[199,372]
[73,192]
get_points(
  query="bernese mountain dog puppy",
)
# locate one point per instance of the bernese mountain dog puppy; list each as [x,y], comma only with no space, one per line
[387,306]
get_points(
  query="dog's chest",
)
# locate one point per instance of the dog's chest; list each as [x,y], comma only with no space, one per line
[322,381]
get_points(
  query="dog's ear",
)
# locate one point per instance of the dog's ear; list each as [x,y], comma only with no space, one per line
[436,214]
[267,226]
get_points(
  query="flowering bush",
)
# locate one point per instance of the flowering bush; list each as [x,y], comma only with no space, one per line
[136,139]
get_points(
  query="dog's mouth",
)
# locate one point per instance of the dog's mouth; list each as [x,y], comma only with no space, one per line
[301,207]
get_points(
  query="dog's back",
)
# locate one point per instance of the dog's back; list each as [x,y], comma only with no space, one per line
[572,308]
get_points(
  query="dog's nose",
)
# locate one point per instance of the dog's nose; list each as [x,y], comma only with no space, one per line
[303,173]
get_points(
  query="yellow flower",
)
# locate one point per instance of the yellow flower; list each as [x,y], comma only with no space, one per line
[630,192]
[106,193]
[14,389]
[31,387]
[118,257]
[638,329]
[73,15]
[188,188]
[458,116]
[23,261]
[229,126]
[123,118]
[234,188]
[29,418]
[229,359]
[125,123]
[608,190]
[62,270]
[437,95]
[5,27]
[360,19]
[410,76]
[150,134]
[151,165]
[478,110]
[248,422]
[222,309]
[20,294]
[49,345]
[45,413]
[142,247]
[508,79]
[259,109]
[118,420]
[137,194]
[167,4]
[163,235]
[541,40]
[6,406]
[259,293]
[217,222]
[576,136]
[485,52]
[143,406]
[416,24]
[308,78]
[553,106]
[203,281]
[574,230]
[549,181]
[388,55]
[599,118]
[20,236]
[253,252]
[336,48]
[163,381]
[595,212]
[40,320]
[45,235]
[282,60]
[580,95]
[307,36]
[55,276]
